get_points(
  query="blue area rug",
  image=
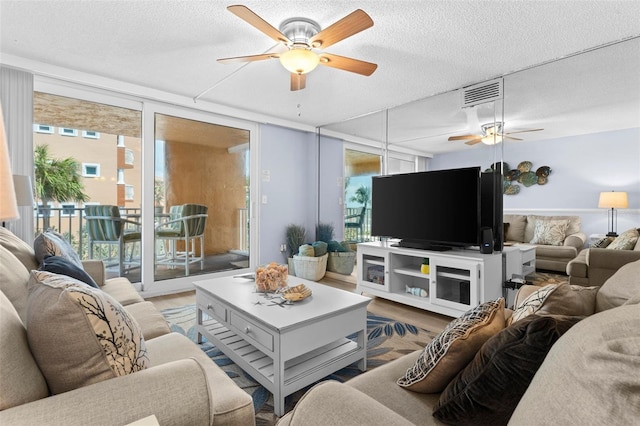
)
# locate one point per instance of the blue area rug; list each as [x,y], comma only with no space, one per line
[387,339]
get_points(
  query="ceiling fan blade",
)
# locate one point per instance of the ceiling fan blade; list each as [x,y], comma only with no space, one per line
[523,131]
[251,18]
[298,81]
[249,58]
[347,64]
[510,137]
[474,141]
[346,27]
[463,137]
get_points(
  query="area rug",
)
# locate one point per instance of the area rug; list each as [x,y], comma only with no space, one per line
[387,340]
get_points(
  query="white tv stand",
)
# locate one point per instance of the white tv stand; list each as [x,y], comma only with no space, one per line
[458,279]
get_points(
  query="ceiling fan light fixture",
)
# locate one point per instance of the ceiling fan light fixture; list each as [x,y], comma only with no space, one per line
[491,139]
[299,60]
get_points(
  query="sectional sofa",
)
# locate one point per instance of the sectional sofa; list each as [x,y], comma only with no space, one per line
[589,375]
[41,332]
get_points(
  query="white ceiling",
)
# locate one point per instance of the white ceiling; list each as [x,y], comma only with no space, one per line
[422,48]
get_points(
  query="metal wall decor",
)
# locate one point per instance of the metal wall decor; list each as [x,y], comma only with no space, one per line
[523,175]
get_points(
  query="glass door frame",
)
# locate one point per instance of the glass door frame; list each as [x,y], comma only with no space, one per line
[151,108]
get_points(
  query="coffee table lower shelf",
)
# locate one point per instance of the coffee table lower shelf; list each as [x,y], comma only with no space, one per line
[299,372]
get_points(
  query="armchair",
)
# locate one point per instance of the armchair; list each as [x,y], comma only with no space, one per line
[356,224]
[105,226]
[186,223]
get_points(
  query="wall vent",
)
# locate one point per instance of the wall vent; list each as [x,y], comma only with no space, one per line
[481,93]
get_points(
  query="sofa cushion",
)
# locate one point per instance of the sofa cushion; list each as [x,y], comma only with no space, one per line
[18,248]
[120,288]
[625,241]
[517,224]
[602,242]
[589,376]
[80,335]
[13,282]
[51,243]
[564,299]
[152,323]
[572,228]
[20,378]
[63,266]
[620,287]
[504,367]
[550,232]
[454,347]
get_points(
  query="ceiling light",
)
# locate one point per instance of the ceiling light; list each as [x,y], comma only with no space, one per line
[492,133]
[299,60]
[492,139]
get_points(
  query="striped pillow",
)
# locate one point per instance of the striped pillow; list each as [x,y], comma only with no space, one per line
[446,355]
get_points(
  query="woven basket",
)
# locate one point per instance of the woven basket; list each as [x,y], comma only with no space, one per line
[310,268]
[341,262]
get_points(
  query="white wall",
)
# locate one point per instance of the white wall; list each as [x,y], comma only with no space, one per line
[583,166]
[289,157]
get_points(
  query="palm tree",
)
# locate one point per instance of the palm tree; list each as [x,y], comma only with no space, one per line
[56,180]
[362,196]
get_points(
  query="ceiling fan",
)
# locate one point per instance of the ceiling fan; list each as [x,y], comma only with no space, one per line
[301,36]
[492,133]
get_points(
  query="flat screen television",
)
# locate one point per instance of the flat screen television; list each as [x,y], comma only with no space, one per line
[433,210]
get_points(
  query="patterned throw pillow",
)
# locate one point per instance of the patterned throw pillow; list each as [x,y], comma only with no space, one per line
[51,243]
[550,232]
[532,303]
[602,242]
[80,335]
[625,241]
[63,266]
[451,350]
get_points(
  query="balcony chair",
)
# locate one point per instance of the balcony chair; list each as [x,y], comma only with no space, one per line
[357,223]
[105,226]
[186,223]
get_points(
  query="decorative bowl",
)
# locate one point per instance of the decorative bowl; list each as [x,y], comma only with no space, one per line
[270,278]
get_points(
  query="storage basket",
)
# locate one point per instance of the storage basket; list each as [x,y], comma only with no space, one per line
[341,262]
[310,268]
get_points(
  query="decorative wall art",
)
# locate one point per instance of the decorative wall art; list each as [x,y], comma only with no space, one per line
[523,175]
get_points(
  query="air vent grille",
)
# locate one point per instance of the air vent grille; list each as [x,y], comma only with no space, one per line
[482,93]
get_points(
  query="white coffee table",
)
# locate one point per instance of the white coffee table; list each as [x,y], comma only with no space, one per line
[288,347]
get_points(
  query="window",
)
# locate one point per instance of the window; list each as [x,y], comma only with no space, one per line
[43,128]
[90,170]
[129,193]
[89,134]
[65,131]
[68,209]
[44,210]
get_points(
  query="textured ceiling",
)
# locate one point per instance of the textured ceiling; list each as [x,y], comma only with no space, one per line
[423,48]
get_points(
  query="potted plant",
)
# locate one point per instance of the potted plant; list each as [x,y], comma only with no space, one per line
[295,236]
[158,195]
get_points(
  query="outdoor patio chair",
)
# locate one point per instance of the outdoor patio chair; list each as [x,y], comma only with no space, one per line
[105,226]
[357,223]
[186,224]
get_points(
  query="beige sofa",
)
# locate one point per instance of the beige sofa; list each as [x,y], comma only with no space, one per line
[584,379]
[180,386]
[548,257]
[593,266]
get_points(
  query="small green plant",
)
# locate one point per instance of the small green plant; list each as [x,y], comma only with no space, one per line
[296,236]
[324,232]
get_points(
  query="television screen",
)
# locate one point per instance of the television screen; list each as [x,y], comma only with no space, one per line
[440,207]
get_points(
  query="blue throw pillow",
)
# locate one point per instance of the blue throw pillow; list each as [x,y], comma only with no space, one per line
[63,266]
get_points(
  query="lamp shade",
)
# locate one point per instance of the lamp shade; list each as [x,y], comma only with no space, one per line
[8,206]
[299,61]
[613,200]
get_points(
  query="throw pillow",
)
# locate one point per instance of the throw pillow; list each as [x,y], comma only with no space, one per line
[531,303]
[51,243]
[18,248]
[602,242]
[63,266]
[550,232]
[80,335]
[452,349]
[570,299]
[625,241]
[620,287]
[488,390]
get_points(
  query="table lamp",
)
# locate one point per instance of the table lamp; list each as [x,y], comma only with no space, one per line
[613,200]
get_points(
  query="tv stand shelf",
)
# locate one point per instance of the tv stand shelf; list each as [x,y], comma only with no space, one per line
[458,279]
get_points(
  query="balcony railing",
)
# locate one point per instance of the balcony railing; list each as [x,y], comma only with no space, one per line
[70,222]
[351,234]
